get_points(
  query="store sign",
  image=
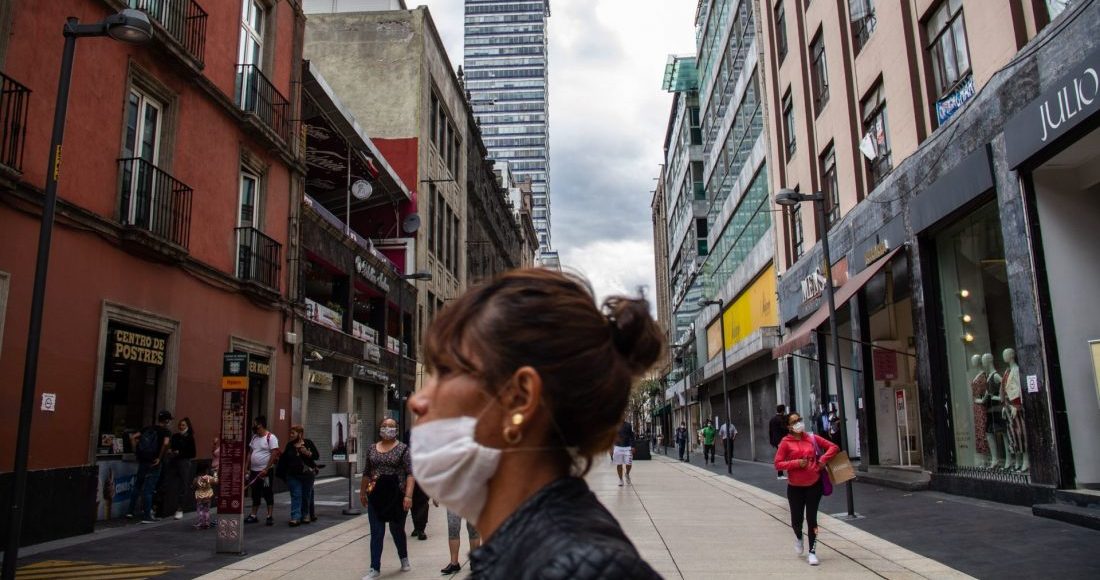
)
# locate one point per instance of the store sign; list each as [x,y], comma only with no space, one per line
[259,367]
[235,371]
[753,309]
[886,364]
[876,252]
[1075,98]
[371,274]
[813,285]
[340,434]
[135,346]
[320,379]
[231,475]
[953,101]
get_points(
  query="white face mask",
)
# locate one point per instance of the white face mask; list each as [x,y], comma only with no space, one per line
[451,466]
[798,427]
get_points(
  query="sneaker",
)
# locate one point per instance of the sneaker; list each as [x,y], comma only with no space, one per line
[798,547]
[129,516]
[179,514]
[628,479]
[293,523]
[405,566]
[781,477]
[451,569]
[620,483]
[270,521]
[149,520]
[251,520]
[372,574]
[812,559]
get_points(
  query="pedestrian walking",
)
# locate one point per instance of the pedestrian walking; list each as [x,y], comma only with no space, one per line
[728,433]
[204,495]
[311,476]
[527,383]
[181,451]
[419,507]
[263,452]
[454,540]
[296,465]
[150,446]
[622,453]
[681,439]
[777,430]
[804,455]
[386,492]
[708,443]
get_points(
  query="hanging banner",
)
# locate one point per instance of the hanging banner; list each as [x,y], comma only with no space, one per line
[340,437]
[231,473]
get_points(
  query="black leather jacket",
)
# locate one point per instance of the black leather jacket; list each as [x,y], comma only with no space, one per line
[562,532]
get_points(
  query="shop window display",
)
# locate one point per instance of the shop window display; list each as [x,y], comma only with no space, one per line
[987,415]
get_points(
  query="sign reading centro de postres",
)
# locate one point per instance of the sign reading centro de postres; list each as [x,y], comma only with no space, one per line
[135,346]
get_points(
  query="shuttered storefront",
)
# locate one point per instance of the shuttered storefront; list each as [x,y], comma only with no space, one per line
[322,404]
[366,404]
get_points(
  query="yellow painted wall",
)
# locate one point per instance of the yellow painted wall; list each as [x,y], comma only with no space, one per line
[753,309]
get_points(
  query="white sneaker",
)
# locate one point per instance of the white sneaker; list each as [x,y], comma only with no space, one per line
[179,514]
[628,479]
[812,559]
[405,566]
[372,574]
[620,483]
[798,547]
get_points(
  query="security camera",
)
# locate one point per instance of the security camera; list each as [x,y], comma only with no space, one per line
[314,356]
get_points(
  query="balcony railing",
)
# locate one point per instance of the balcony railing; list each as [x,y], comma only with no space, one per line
[184,20]
[879,168]
[154,201]
[14,98]
[258,257]
[256,95]
[862,30]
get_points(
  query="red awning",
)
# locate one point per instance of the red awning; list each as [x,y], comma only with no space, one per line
[800,336]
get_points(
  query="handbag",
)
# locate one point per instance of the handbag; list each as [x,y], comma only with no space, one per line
[826,480]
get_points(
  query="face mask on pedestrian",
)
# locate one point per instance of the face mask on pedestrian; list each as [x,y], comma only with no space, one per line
[451,466]
[798,427]
[388,433]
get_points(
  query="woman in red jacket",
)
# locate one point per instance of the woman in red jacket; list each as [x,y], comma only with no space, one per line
[798,456]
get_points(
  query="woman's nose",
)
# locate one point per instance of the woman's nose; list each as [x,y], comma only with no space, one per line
[418,404]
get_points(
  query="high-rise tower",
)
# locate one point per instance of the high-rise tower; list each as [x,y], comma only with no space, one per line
[506,75]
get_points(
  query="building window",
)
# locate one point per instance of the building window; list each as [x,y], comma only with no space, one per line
[253,22]
[875,145]
[984,381]
[798,237]
[1056,7]
[947,46]
[133,386]
[861,13]
[819,72]
[780,31]
[830,188]
[788,124]
[248,210]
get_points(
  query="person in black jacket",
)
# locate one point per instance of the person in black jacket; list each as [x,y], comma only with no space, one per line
[777,430]
[181,450]
[297,463]
[528,382]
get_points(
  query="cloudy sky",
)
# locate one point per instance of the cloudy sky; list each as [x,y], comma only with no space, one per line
[607,122]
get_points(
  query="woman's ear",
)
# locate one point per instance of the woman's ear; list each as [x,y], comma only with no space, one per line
[522,399]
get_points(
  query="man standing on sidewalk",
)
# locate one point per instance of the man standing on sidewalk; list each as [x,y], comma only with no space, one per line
[681,439]
[708,443]
[149,445]
[728,433]
[777,430]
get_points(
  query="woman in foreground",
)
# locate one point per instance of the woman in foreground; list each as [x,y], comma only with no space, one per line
[528,382]
[803,456]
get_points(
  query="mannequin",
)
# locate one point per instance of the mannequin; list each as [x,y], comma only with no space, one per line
[991,405]
[1013,412]
[979,388]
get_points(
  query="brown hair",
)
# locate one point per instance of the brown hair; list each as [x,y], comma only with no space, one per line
[548,320]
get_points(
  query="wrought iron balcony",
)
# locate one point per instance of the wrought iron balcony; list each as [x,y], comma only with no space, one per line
[256,95]
[184,20]
[14,98]
[154,201]
[258,258]
[862,30]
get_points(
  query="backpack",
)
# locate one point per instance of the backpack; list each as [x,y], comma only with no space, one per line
[148,447]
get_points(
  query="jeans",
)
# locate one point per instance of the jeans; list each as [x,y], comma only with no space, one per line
[708,451]
[308,506]
[144,486]
[177,477]
[294,484]
[680,446]
[727,451]
[805,499]
[378,536]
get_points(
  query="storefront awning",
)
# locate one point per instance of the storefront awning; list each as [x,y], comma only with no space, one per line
[800,337]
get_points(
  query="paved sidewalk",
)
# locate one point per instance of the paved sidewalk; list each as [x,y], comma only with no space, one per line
[672,513]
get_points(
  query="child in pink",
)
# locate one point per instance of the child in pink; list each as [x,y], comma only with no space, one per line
[204,494]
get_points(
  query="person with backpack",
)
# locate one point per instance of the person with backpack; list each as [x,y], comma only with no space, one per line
[150,445]
[263,453]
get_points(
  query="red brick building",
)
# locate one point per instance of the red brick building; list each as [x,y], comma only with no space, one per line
[181,182]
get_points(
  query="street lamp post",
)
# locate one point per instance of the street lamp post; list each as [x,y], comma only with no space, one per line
[401,337]
[728,451]
[787,198]
[131,26]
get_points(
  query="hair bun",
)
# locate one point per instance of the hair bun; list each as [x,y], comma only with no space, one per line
[634,333]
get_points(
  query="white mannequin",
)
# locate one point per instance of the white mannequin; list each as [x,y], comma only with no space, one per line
[995,439]
[1013,410]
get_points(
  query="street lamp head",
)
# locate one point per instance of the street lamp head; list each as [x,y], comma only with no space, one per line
[706,303]
[130,26]
[788,197]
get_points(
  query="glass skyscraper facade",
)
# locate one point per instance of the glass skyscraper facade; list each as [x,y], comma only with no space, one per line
[506,75]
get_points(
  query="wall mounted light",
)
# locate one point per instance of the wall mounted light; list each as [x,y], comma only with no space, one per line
[968,337]
[964,293]
[966,318]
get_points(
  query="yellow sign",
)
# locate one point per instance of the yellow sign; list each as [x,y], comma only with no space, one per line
[753,309]
[234,384]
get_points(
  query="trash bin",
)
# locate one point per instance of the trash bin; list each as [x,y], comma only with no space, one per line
[641,449]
